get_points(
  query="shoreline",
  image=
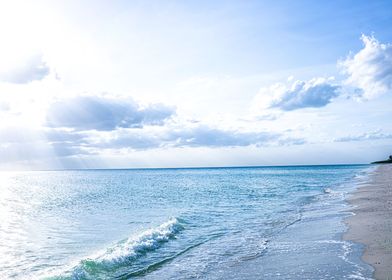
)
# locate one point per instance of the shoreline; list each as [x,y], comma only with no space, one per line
[371,223]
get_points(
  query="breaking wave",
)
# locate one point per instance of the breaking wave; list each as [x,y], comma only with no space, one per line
[124,253]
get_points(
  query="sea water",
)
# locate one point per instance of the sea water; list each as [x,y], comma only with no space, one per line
[203,223]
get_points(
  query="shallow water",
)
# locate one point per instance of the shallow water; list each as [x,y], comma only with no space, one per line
[207,223]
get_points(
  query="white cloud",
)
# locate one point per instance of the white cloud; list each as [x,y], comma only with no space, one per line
[317,92]
[55,144]
[206,136]
[4,106]
[169,136]
[370,69]
[374,135]
[103,113]
[24,70]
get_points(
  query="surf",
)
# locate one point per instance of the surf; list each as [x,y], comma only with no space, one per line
[122,255]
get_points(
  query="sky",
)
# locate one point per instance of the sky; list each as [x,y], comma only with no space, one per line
[130,84]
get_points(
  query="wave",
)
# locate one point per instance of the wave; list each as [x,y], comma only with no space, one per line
[123,254]
[140,244]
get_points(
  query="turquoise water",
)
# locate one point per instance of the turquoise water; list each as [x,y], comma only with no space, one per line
[207,223]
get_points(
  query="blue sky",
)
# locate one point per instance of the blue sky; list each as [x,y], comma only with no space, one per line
[98,84]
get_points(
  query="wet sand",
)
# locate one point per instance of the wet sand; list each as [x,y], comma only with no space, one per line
[372,223]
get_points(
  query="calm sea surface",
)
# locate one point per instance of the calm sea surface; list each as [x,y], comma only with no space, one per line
[207,223]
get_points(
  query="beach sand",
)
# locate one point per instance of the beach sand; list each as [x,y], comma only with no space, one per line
[372,223]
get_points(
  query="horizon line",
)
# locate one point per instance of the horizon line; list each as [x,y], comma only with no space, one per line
[186,167]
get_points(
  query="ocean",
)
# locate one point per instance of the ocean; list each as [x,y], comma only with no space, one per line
[196,223]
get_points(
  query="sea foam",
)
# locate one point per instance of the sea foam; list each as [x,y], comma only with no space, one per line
[146,241]
[125,252]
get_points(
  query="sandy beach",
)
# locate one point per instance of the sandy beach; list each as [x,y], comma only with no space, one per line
[372,223]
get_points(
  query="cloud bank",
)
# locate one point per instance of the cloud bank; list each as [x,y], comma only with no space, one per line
[197,136]
[168,136]
[90,125]
[58,144]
